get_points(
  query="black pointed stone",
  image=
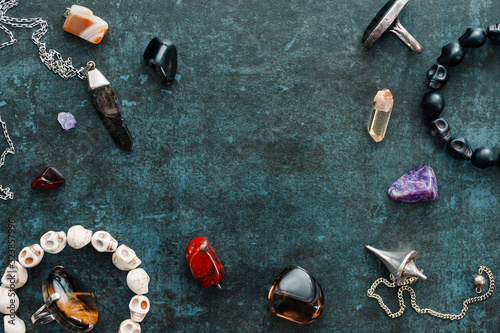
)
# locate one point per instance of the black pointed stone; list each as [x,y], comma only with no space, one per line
[473,37]
[451,54]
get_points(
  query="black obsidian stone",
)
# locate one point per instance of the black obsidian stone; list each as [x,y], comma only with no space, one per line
[75,310]
[473,37]
[493,32]
[161,59]
[433,104]
[451,54]
[484,157]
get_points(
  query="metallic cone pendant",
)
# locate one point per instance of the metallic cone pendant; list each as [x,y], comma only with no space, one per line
[400,264]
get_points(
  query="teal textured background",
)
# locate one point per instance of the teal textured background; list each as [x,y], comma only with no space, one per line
[262,147]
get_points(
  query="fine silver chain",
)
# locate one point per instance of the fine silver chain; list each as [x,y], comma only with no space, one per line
[5,193]
[404,286]
[51,58]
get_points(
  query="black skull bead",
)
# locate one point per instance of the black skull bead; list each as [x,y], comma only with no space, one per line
[493,32]
[459,148]
[437,76]
[440,130]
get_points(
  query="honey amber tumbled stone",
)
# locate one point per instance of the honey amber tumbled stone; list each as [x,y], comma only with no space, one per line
[296,296]
[205,266]
[75,310]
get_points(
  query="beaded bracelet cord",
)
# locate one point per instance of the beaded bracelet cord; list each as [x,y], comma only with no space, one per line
[52,242]
[433,102]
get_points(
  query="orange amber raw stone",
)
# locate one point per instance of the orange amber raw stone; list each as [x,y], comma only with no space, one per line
[296,296]
[205,266]
[80,21]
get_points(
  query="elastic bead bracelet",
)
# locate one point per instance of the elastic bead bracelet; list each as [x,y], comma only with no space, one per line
[433,102]
[59,294]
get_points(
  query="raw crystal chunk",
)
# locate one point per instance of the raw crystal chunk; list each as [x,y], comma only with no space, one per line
[296,296]
[381,113]
[80,21]
[49,179]
[419,184]
[67,120]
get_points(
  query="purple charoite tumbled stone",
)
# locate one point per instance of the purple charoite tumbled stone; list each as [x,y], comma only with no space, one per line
[417,185]
[67,120]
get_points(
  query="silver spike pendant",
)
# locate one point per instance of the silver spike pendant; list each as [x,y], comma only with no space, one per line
[401,264]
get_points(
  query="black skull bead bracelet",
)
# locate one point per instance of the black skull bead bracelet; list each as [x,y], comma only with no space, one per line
[433,102]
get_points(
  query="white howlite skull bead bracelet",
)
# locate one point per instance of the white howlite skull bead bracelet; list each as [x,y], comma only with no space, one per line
[53,242]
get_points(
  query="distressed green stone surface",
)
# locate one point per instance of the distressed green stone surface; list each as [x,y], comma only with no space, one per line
[263,149]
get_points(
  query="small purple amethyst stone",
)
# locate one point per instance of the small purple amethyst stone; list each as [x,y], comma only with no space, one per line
[417,185]
[67,120]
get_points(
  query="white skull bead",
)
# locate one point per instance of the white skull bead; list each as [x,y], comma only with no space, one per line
[9,302]
[78,236]
[139,307]
[129,326]
[103,242]
[31,256]
[13,324]
[138,281]
[15,276]
[124,258]
[53,242]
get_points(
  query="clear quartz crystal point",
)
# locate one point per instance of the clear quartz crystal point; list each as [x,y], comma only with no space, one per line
[381,113]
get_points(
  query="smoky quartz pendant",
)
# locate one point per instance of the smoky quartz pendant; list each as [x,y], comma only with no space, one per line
[103,98]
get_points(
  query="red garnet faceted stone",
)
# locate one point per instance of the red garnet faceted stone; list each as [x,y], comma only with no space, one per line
[203,261]
[296,296]
[49,179]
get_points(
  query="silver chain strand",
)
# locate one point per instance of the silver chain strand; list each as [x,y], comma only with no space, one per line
[5,193]
[51,58]
[413,298]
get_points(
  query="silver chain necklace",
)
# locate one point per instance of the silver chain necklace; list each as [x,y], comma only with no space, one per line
[5,193]
[51,58]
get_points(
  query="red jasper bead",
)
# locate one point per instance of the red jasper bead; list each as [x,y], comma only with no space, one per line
[49,179]
[205,266]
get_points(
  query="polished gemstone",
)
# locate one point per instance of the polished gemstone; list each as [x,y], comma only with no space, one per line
[75,309]
[81,22]
[418,184]
[381,113]
[205,266]
[67,120]
[49,179]
[296,296]
[161,59]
